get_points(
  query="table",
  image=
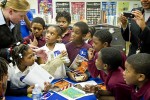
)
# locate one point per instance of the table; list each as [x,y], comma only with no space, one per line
[56,96]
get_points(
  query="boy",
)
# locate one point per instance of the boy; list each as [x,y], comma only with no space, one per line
[3,78]
[63,19]
[36,38]
[101,39]
[80,29]
[137,73]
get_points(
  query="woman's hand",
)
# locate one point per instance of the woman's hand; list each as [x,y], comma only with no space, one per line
[139,18]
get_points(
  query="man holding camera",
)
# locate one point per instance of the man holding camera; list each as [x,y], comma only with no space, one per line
[136,29]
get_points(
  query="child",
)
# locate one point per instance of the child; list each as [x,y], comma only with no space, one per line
[89,36]
[53,49]
[3,78]
[23,60]
[80,29]
[63,19]
[36,38]
[137,73]
[109,61]
[101,39]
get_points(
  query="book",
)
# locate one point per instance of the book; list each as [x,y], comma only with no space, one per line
[79,65]
[63,84]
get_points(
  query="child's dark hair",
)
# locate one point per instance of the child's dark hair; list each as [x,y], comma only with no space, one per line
[17,53]
[64,14]
[92,30]
[140,63]
[58,29]
[38,20]
[104,36]
[3,67]
[83,27]
[112,57]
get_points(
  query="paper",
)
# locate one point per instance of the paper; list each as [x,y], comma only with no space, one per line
[72,93]
[38,75]
[80,64]
[87,83]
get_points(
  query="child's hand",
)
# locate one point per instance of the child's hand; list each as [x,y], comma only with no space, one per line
[29,89]
[90,53]
[34,42]
[64,53]
[47,86]
[90,88]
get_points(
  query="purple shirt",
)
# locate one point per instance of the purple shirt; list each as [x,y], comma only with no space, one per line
[66,37]
[94,72]
[41,40]
[73,50]
[143,93]
[117,86]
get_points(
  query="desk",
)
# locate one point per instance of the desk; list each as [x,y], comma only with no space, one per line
[56,96]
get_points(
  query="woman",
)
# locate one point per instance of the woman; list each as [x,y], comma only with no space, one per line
[11,12]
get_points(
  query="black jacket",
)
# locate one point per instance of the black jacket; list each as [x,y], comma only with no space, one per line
[7,38]
[135,32]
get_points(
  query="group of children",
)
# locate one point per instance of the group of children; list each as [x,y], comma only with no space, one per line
[129,82]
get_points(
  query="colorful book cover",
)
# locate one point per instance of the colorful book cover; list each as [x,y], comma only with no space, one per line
[79,65]
[63,84]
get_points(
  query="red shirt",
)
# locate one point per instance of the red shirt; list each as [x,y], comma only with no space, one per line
[143,93]
[66,37]
[73,50]
[41,40]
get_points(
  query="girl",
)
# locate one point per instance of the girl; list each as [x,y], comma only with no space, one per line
[3,77]
[23,60]
[55,64]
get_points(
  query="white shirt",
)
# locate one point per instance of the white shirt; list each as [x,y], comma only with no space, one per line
[60,71]
[2,21]
[15,76]
[147,14]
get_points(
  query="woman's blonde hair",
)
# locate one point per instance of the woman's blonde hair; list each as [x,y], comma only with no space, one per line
[18,5]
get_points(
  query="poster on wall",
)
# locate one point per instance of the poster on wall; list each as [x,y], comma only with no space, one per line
[109,7]
[123,6]
[110,10]
[93,12]
[62,6]
[78,11]
[45,7]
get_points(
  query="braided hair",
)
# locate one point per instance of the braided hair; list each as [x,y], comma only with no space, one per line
[3,67]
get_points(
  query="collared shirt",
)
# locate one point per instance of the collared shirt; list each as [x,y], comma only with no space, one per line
[41,40]
[60,71]
[143,93]
[2,21]
[73,50]
[15,76]
[66,37]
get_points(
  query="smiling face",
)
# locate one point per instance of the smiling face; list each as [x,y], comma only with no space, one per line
[76,34]
[51,35]
[145,4]
[130,76]
[37,29]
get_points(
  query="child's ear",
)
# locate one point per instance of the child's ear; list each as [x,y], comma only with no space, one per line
[105,44]
[141,77]
[105,66]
